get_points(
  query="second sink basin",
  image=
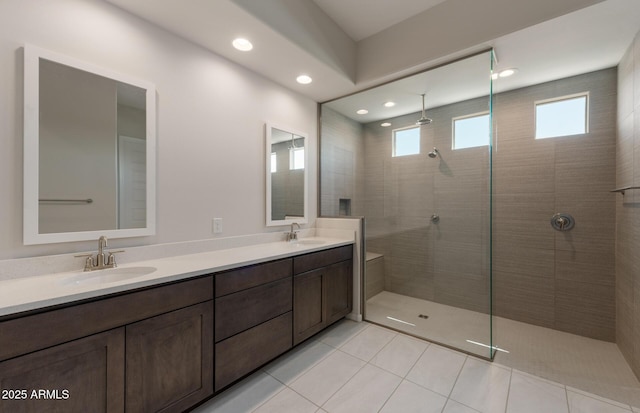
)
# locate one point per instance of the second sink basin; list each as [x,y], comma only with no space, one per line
[107,276]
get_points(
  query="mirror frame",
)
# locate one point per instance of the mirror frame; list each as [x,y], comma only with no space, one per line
[31,236]
[276,222]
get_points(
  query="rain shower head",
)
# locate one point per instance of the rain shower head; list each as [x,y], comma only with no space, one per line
[424,120]
[434,153]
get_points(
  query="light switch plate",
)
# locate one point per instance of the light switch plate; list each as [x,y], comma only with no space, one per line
[217,225]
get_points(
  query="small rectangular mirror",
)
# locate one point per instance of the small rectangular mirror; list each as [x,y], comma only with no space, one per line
[89,151]
[286,176]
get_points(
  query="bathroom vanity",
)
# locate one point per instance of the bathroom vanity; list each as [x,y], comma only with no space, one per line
[169,346]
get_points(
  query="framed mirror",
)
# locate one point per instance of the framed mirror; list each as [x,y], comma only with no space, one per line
[286,175]
[89,151]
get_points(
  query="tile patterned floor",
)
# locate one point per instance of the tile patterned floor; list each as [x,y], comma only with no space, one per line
[360,367]
[591,365]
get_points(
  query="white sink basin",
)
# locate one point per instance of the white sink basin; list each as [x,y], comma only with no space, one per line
[311,242]
[107,276]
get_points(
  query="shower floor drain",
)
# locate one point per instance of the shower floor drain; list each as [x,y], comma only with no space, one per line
[423,316]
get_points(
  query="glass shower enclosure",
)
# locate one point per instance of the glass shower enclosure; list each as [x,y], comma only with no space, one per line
[413,157]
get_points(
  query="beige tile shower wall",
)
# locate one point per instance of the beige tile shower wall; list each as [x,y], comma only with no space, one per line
[446,262]
[561,280]
[341,167]
[628,208]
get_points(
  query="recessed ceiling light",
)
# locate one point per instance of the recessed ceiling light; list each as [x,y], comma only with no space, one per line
[304,79]
[389,104]
[504,73]
[385,124]
[242,44]
[507,72]
[362,112]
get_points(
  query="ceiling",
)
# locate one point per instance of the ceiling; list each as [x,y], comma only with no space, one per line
[363,18]
[351,45]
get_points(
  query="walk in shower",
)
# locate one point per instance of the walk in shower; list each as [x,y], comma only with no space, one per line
[414,158]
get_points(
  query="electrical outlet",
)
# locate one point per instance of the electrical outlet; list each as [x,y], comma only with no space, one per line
[217,225]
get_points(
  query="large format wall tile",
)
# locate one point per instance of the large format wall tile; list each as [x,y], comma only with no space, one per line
[586,309]
[563,280]
[628,208]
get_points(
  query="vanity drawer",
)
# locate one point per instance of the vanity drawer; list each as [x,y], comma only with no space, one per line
[245,352]
[242,310]
[69,323]
[248,277]
[319,259]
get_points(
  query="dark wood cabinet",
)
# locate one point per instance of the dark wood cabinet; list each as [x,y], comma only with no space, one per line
[242,310]
[169,360]
[253,318]
[241,354]
[339,290]
[167,348]
[143,351]
[309,316]
[323,295]
[84,375]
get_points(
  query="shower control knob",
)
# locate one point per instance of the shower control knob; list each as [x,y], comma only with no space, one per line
[562,222]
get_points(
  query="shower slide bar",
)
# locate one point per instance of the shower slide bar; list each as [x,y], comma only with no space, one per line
[626,188]
[66,201]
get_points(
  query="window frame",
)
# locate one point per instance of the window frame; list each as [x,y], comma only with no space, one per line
[393,141]
[463,117]
[572,96]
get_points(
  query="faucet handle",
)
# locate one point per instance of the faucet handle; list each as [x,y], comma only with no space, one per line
[88,263]
[111,259]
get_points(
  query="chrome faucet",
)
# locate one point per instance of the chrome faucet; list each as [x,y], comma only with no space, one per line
[293,235]
[99,263]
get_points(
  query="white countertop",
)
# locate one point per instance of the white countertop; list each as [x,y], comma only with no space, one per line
[30,293]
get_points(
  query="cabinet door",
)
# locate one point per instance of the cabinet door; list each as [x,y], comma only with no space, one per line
[169,360]
[339,291]
[309,315]
[84,375]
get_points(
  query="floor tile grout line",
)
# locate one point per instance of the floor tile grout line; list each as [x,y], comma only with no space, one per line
[378,352]
[599,398]
[293,390]
[345,383]
[506,404]
[391,395]
[267,401]
[333,350]
[416,362]
[350,339]
[456,382]
[464,363]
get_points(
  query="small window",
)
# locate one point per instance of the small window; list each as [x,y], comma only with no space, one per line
[274,165]
[471,131]
[562,116]
[296,158]
[406,141]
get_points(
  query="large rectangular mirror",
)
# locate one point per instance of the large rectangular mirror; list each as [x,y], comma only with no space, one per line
[286,174]
[89,151]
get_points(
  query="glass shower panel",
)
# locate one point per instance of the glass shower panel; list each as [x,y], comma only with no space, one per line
[427,214]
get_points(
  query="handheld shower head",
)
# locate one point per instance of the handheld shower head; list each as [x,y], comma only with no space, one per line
[434,153]
[424,120]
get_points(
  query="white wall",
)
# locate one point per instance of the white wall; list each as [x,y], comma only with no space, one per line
[211,116]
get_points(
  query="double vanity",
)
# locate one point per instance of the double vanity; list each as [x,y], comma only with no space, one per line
[175,324]
[167,334]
